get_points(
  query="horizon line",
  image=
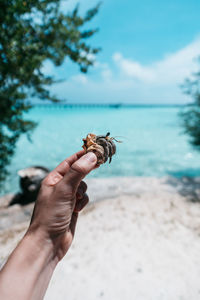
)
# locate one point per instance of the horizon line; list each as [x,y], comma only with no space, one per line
[111,105]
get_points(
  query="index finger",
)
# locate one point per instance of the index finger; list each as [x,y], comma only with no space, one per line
[58,173]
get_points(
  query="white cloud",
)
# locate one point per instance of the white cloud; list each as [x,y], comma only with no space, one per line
[173,68]
[133,69]
[158,82]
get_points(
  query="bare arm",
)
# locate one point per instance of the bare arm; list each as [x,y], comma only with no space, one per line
[27,273]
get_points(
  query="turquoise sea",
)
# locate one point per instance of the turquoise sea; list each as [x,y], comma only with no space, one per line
[153,143]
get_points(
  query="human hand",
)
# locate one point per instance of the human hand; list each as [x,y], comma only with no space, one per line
[61,197]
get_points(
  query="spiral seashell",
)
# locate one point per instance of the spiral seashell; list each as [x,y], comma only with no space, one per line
[102,146]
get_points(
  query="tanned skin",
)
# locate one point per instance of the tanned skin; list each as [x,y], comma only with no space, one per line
[62,196]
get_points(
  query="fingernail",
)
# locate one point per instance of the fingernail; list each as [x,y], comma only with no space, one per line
[91,157]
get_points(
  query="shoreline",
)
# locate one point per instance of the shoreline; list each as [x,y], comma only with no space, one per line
[5,197]
[100,188]
[117,185]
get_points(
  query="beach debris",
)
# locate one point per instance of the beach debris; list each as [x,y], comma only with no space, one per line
[102,146]
[30,181]
[30,178]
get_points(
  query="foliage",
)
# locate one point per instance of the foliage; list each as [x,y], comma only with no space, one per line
[191,113]
[31,32]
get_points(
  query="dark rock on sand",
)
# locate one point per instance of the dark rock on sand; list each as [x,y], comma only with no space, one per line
[30,181]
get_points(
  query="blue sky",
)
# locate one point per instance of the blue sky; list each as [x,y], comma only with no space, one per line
[148,48]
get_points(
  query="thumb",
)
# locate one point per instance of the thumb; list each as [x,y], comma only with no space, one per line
[80,169]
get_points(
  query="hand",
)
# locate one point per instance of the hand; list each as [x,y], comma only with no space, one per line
[61,197]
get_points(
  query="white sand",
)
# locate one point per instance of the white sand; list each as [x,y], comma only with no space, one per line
[143,243]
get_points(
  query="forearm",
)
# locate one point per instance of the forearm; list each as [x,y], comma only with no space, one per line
[27,273]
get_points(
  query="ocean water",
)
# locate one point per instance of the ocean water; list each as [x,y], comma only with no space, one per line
[153,143]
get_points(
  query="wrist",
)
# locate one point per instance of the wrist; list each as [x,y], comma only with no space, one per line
[39,245]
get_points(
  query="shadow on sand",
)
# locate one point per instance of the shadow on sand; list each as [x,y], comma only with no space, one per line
[186,186]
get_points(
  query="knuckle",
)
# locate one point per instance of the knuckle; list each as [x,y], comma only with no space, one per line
[84,185]
[67,163]
[86,198]
[80,193]
[44,181]
[51,179]
[80,169]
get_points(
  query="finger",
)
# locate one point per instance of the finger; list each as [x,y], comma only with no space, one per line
[57,174]
[64,166]
[82,188]
[80,204]
[80,169]
[73,222]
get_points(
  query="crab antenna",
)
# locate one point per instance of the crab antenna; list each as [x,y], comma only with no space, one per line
[120,136]
[112,138]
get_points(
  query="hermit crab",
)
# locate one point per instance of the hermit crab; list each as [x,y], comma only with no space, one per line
[102,146]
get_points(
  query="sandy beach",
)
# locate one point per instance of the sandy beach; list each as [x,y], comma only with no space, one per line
[138,239]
